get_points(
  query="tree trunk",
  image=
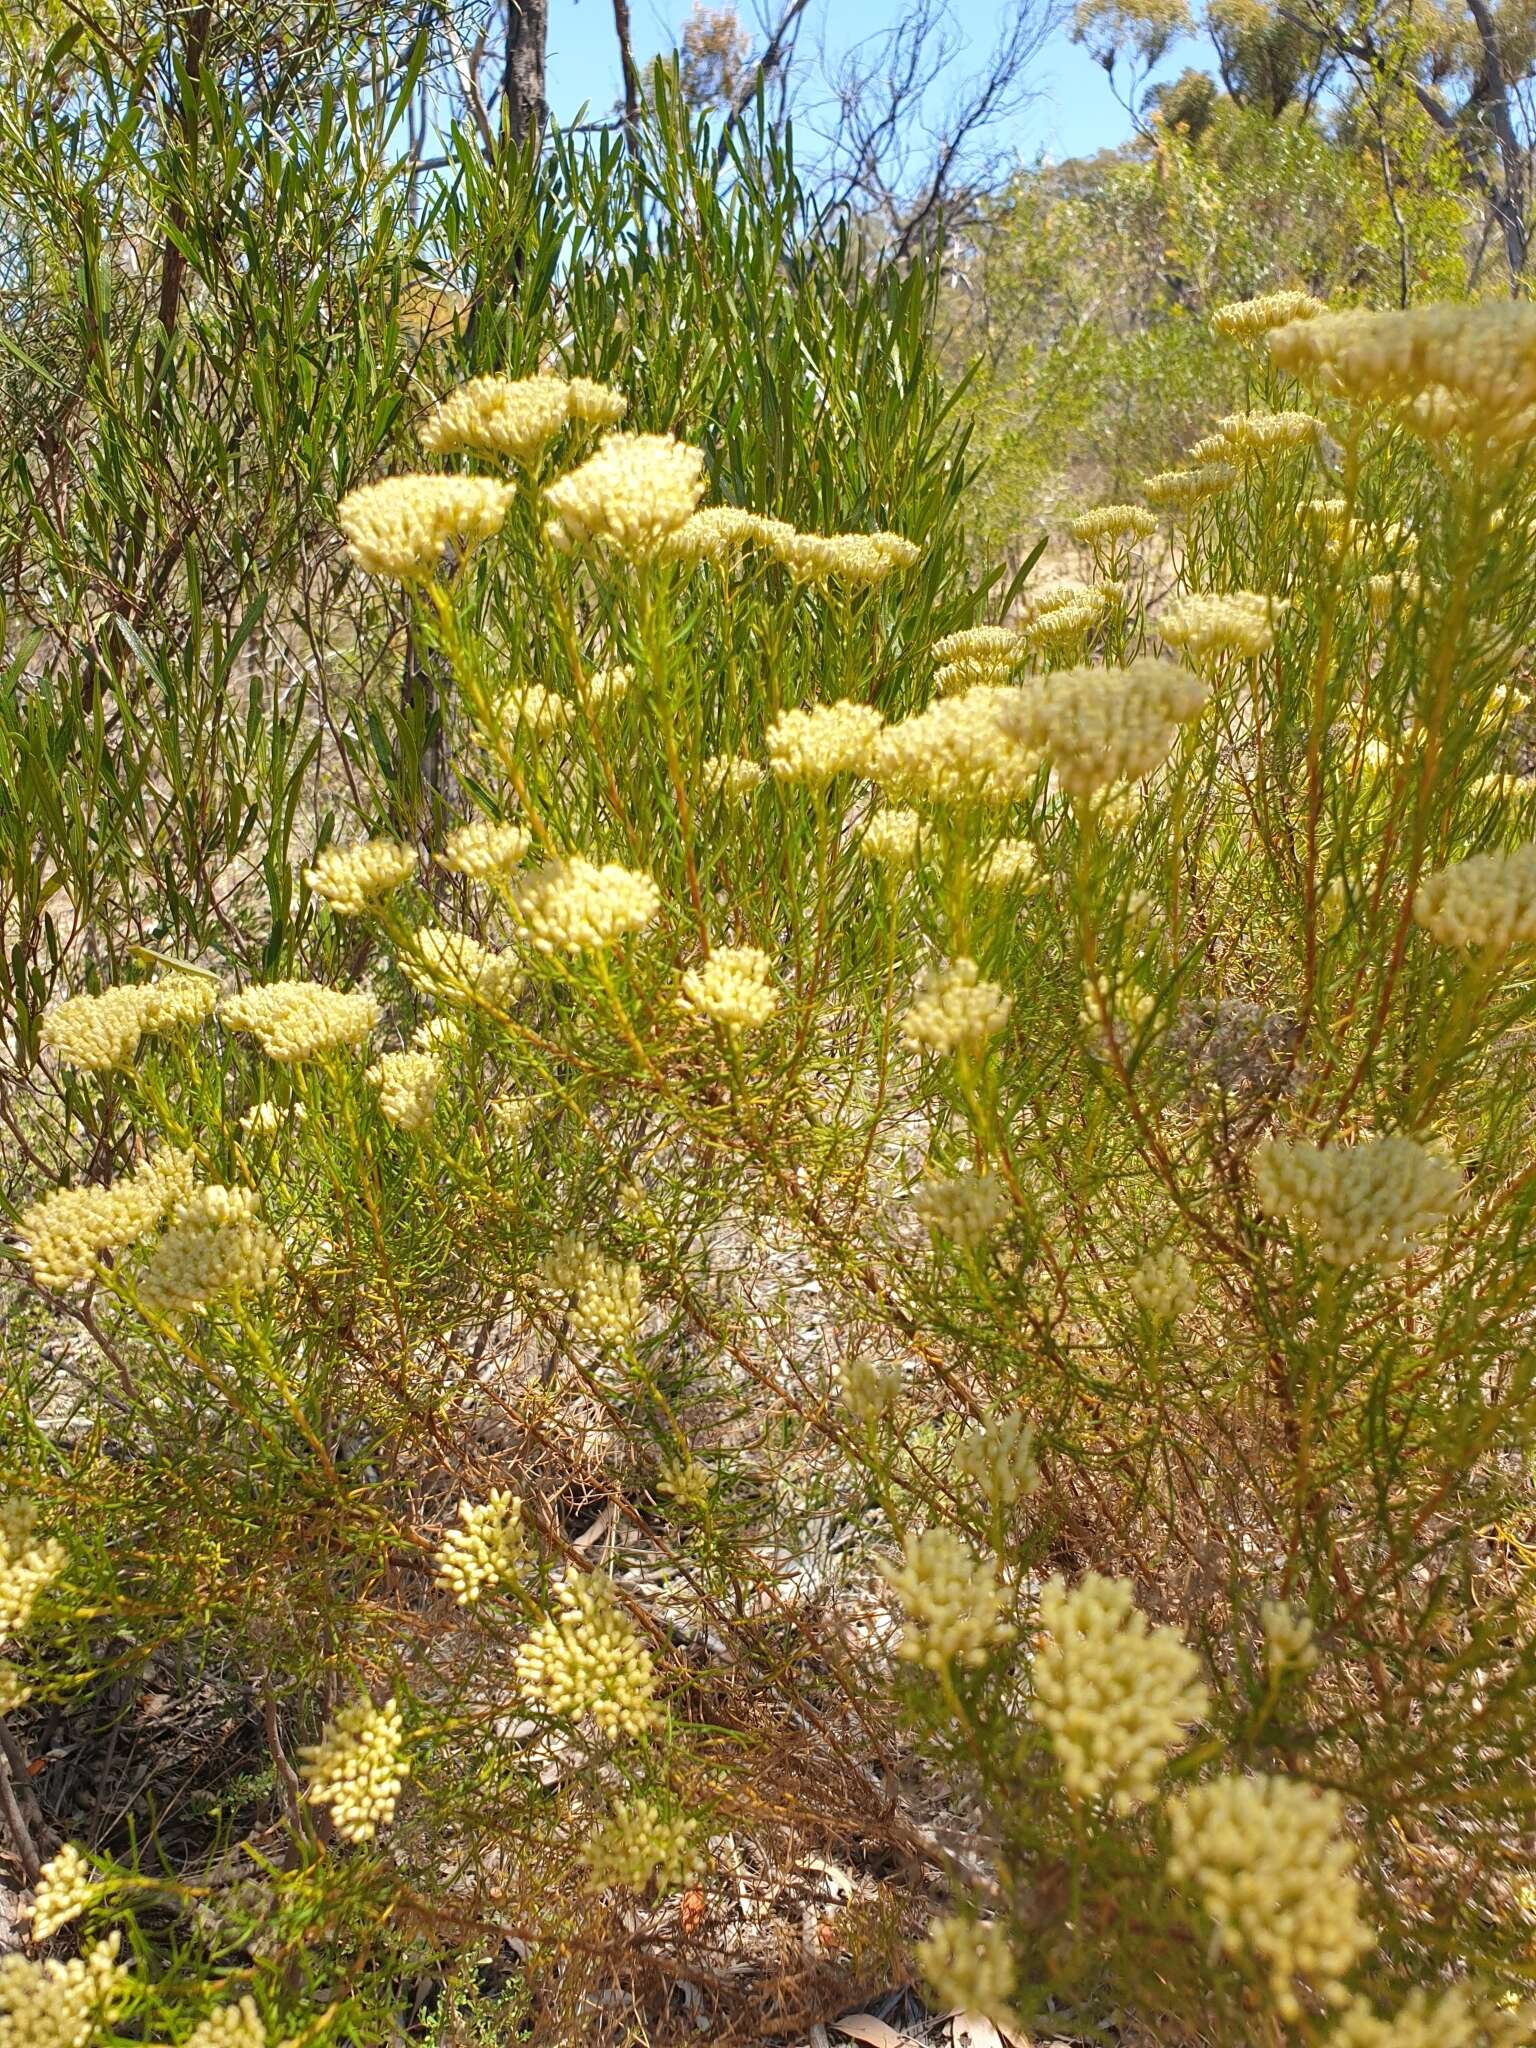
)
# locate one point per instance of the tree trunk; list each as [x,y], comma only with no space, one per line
[523,81]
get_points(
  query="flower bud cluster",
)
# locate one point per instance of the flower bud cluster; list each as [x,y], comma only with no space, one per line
[1104,725]
[456,968]
[1181,490]
[870,1388]
[588,1659]
[1489,900]
[574,906]
[66,1885]
[101,1033]
[300,1020]
[230,2026]
[1251,319]
[408,1085]
[486,1549]
[1272,1866]
[1114,1694]
[1288,1644]
[858,558]
[65,1233]
[732,988]
[954,1010]
[955,1607]
[1244,436]
[1481,357]
[484,851]
[892,839]
[215,1246]
[53,2004]
[638,1848]
[356,879]
[607,1301]
[970,1966]
[1010,861]
[634,491]
[964,1207]
[1370,1203]
[976,654]
[512,416]
[1206,626]
[402,528]
[955,752]
[358,1768]
[824,741]
[1163,1286]
[999,1454]
[1111,523]
[732,775]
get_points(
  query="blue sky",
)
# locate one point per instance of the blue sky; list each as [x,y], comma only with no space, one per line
[1075,113]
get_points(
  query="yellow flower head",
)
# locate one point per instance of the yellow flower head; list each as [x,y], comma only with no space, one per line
[577,906]
[300,1020]
[354,879]
[402,528]
[498,416]
[631,494]
[1252,319]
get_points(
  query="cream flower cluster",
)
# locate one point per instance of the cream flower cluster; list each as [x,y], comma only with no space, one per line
[456,968]
[955,751]
[629,495]
[607,686]
[216,1246]
[826,740]
[1181,490]
[358,1768]
[29,1564]
[870,1388]
[1369,1203]
[964,1207]
[66,1885]
[717,534]
[408,1084]
[512,1114]
[486,1549]
[999,1454]
[594,404]
[1114,1694]
[1010,861]
[976,654]
[732,775]
[638,1847]
[955,1607]
[300,1020]
[1060,615]
[267,1119]
[1163,1285]
[66,1232]
[1288,1644]
[512,416]
[838,557]
[484,851]
[1448,2019]
[970,1966]
[1103,725]
[1489,900]
[14,1690]
[1251,319]
[891,838]
[607,1301]
[230,2026]
[1111,523]
[356,879]
[576,906]
[1207,625]
[1244,436]
[53,2004]
[954,1010]
[733,988]
[1272,1866]
[403,527]
[1483,356]
[101,1033]
[532,708]
[588,1659]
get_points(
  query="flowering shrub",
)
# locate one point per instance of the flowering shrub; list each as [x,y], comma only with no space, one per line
[1117,1012]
